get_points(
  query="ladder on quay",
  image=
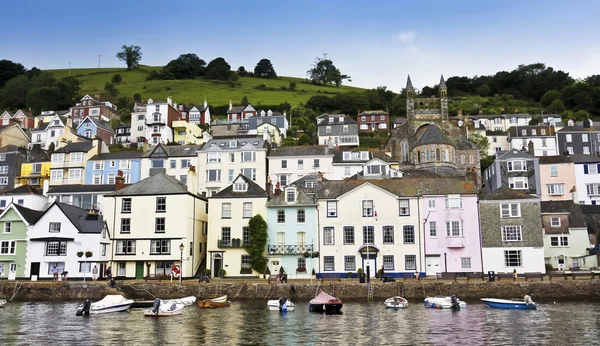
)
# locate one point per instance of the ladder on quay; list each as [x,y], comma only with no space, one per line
[371,291]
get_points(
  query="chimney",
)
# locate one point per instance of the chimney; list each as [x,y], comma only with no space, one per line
[205,103]
[192,180]
[46,187]
[119,181]
[97,143]
[277,189]
[531,148]
[320,176]
[230,105]
[269,113]
[574,195]
[170,100]
[269,187]
[92,214]
[586,123]
[472,175]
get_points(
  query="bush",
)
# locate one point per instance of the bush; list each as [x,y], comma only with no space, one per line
[292,86]
[79,253]
[117,79]
[207,271]
[349,275]
[549,268]
[313,272]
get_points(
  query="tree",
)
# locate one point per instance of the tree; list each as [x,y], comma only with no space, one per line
[44,98]
[264,69]
[244,101]
[132,55]
[324,72]
[51,148]
[137,97]
[257,227]
[218,69]
[14,93]
[292,86]
[549,97]
[289,141]
[322,104]
[304,140]
[241,71]
[111,89]
[557,107]
[124,115]
[9,70]
[186,66]
[117,79]
[481,142]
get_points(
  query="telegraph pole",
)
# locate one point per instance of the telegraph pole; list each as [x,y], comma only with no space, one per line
[99,60]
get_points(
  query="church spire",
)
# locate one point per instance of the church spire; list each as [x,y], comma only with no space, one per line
[409,84]
[443,83]
[410,91]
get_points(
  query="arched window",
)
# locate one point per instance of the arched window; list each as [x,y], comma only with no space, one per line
[427,155]
[419,156]
[462,159]
[404,152]
[437,154]
[446,155]
[471,160]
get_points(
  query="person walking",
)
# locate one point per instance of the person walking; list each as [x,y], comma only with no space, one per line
[55,273]
[108,273]
[95,273]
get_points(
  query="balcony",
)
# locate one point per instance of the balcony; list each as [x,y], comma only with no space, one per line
[156,120]
[455,242]
[233,243]
[288,249]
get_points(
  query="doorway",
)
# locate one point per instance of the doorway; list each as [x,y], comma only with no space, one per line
[139,270]
[372,264]
[217,264]
[35,269]
[432,265]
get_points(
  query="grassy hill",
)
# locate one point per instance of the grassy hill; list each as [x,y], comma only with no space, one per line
[274,91]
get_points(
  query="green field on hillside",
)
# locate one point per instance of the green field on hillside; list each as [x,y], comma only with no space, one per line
[195,91]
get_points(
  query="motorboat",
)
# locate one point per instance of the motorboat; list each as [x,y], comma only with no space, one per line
[219,302]
[324,302]
[519,304]
[110,303]
[396,302]
[186,301]
[163,310]
[444,302]
[282,304]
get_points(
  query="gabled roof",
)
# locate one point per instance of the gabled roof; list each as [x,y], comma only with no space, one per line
[29,215]
[346,120]
[41,126]
[125,155]
[238,109]
[76,147]
[101,124]
[220,143]
[22,190]
[505,193]
[307,150]
[254,190]
[576,218]
[513,154]
[7,127]
[303,198]
[81,188]
[77,216]
[161,150]
[158,184]
[431,134]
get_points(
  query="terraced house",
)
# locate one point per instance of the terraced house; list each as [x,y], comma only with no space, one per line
[104,168]
[15,223]
[11,158]
[68,163]
[174,161]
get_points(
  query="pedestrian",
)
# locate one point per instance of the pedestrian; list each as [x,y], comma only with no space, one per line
[55,273]
[382,273]
[108,273]
[95,273]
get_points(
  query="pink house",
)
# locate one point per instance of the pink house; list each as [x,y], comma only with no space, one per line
[557,178]
[452,236]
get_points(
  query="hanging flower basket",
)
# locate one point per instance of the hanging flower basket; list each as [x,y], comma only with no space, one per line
[79,253]
[89,254]
[301,270]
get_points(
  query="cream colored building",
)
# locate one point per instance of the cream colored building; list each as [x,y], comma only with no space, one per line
[150,221]
[68,163]
[173,160]
[186,133]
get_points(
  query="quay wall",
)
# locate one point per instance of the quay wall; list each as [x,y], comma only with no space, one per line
[239,291]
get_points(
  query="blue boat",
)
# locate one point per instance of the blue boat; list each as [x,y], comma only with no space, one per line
[519,304]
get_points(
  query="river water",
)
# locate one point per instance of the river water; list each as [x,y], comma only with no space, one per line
[250,323]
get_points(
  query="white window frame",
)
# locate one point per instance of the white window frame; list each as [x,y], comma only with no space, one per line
[556,189]
[509,210]
[328,236]
[553,223]
[523,181]
[516,165]
[512,233]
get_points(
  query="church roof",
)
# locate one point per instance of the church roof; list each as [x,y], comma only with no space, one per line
[443,83]
[431,134]
[409,83]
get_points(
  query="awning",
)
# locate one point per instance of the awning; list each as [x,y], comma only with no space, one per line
[52,239]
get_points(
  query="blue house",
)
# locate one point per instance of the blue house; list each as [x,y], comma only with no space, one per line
[292,223]
[92,127]
[103,168]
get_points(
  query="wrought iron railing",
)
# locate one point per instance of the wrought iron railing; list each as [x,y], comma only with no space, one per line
[289,249]
[231,243]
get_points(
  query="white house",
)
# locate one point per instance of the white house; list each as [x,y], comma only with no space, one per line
[371,163]
[222,159]
[60,234]
[500,122]
[24,195]
[138,124]
[174,161]
[231,210]
[158,121]
[288,164]
[46,133]
[542,137]
[498,141]
[587,178]
[156,223]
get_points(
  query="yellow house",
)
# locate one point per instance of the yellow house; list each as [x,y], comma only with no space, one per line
[13,135]
[186,133]
[69,137]
[35,169]
[270,132]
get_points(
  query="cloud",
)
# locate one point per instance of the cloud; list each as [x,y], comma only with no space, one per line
[407,40]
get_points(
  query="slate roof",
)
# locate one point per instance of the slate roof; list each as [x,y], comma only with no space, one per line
[76,147]
[517,131]
[300,182]
[546,160]
[579,158]
[580,128]
[505,193]
[30,215]
[37,155]
[22,190]
[77,216]
[307,150]
[377,112]
[576,218]
[254,190]
[338,157]
[158,184]
[174,150]
[591,214]
[223,143]
[102,125]
[303,198]
[9,148]
[336,119]
[431,134]
[409,83]
[41,126]
[442,83]
[235,110]
[514,153]
[81,188]
[190,107]
[496,133]
[417,186]
[128,155]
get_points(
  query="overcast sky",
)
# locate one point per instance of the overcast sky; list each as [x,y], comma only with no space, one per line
[375,42]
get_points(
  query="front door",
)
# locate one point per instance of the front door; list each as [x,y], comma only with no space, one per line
[372,268]
[274,268]
[101,271]
[139,270]
[35,269]
[217,265]
[12,271]
[432,264]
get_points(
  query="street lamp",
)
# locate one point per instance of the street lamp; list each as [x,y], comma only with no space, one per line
[181,263]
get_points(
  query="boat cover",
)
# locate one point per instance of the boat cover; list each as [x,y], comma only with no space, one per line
[324,298]
[112,299]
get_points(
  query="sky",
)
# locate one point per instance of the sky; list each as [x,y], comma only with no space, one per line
[375,42]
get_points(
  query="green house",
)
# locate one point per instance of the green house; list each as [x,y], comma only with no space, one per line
[15,220]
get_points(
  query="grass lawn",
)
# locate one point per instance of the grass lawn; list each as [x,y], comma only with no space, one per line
[195,91]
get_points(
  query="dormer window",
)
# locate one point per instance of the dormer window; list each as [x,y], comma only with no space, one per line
[347,156]
[364,155]
[341,119]
[240,187]
[330,119]
[232,144]
[290,195]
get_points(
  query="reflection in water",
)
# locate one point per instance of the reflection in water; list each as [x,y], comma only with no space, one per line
[250,323]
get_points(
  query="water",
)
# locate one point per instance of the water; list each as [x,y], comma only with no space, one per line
[250,323]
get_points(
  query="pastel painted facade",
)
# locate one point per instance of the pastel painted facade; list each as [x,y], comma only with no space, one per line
[159,120]
[539,140]
[501,122]
[13,135]
[93,107]
[292,228]
[59,234]
[104,168]
[231,210]
[195,114]
[15,221]
[49,126]
[270,133]
[557,178]
[222,160]
[23,119]
[511,232]
[186,133]
[587,176]
[91,127]
[172,160]
[25,196]
[240,113]
[279,120]
[138,125]
[498,141]
[68,164]
[288,164]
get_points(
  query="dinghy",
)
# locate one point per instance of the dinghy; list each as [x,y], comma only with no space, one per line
[441,302]
[396,302]
[163,310]
[324,302]
[110,303]
[282,304]
[186,301]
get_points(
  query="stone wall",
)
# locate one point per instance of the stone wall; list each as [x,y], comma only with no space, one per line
[544,291]
[491,223]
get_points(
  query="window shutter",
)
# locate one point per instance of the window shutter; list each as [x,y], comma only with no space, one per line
[448,228]
[585,169]
[461,228]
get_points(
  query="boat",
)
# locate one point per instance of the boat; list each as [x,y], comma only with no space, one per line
[208,303]
[396,302]
[110,303]
[282,304]
[2,302]
[444,302]
[324,302]
[221,299]
[163,310]
[186,301]
[519,304]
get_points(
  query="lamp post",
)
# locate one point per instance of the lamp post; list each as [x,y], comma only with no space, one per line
[181,263]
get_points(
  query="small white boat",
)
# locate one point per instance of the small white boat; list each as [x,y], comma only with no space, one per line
[276,304]
[2,302]
[221,299]
[441,302]
[396,302]
[110,303]
[165,310]
[186,301]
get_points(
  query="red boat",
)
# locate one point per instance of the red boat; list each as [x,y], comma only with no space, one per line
[324,302]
